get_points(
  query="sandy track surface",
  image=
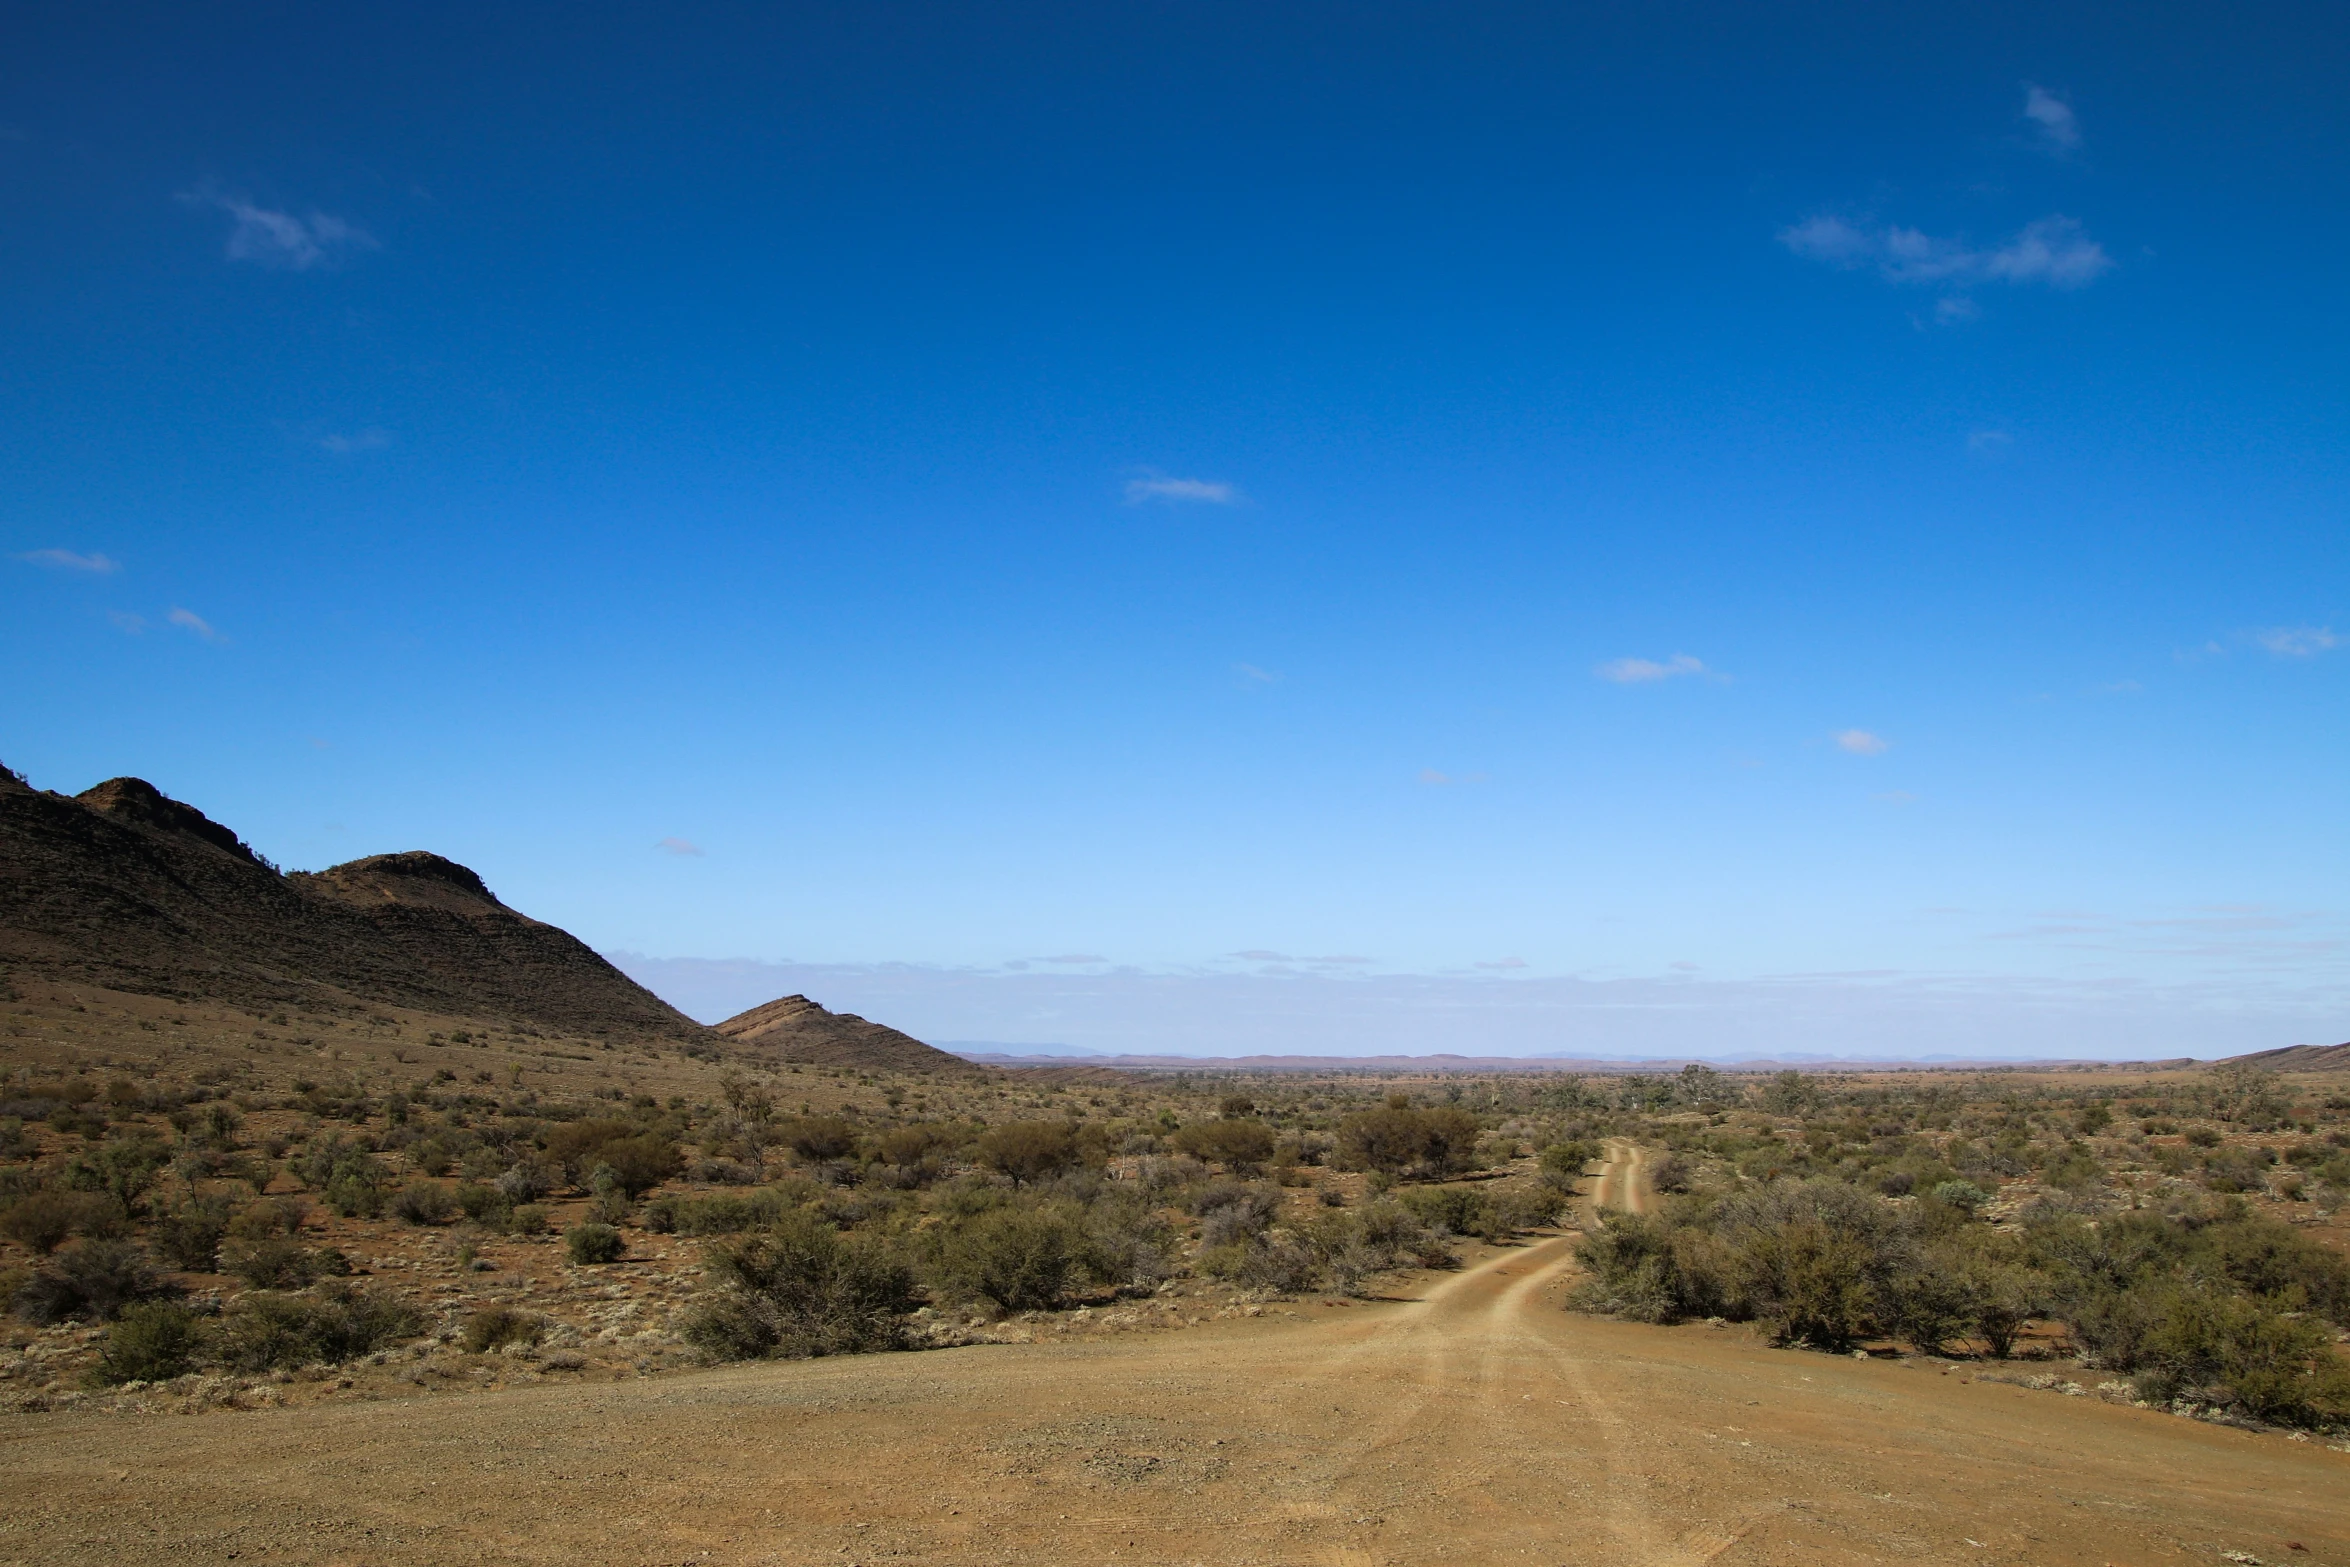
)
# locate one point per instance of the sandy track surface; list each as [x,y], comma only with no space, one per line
[1473,1422]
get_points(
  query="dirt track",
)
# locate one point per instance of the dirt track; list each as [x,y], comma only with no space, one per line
[1473,1423]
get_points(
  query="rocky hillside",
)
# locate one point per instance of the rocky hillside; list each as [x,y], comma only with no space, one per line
[797,1029]
[125,888]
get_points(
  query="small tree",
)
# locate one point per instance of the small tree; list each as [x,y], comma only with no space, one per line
[1029,1151]
[802,1289]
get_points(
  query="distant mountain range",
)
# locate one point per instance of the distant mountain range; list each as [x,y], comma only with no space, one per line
[991,1054]
[124,888]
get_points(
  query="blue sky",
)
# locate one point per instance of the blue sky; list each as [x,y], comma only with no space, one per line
[1216,527]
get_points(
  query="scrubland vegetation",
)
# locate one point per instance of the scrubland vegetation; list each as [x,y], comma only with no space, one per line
[2147,1228]
[2173,1230]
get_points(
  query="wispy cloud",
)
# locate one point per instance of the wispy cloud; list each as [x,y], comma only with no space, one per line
[1170,492]
[1075,958]
[1859,742]
[128,624]
[1989,443]
[367,440]
[1639,671]
[1255,676]
[68,560]
[1504,964]
[189,620]
[2059,129]
[2298,641]
[1429,775]
[2055,250]
[282,240]
[682,847]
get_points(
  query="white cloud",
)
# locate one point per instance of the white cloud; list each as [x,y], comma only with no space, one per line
[1505,964]
[189,620]
[128,624]
[270,238]
[1639,671]
[1989,443]
[1155,487]
[2059,128]
[1076,957]
[1859,742]
[681,847]
[67,560]
[2054,250]
[2298,641]
[368,440]
[1255,676]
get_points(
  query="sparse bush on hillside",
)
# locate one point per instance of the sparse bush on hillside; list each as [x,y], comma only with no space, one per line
[495,1327]
[1022,1259]
[1398,1140]
[591,1244]
[801,1289]
[46,1219]
[1029,1151]
[92,1280]
[189,1235]
[265,1331]
[150,1342]
[424,1202]
[1242,1144]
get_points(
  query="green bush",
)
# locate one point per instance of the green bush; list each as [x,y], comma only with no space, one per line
[424,1202]
[590,1244]
[150,1342]
[44,1221]
[494,1327]
[802,1289]
[92,1280]
[1240,1144]
[189,1235]
[1399,1140]
[1020,1258]
[271,1262]
[265,1331]
[1029,1151]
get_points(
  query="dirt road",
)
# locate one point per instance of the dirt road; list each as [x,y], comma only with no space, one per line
[1474,1422]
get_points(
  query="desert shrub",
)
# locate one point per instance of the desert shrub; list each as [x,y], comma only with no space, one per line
[590,1244]
[494,1327]
[911,1156]
[1230,1211]
[266,1330]
[802,1289]
[1241,1144]
[1527,1208]
[271,1262]
[1399,1140]
[91,1279]
[2193,1341]
[1028,1151]
[576,1147]
[1965,1196]
[1652,1271]
[1563,1162]
[152,1341]
[1022,1259]
[1451,1210]
[424,1202]
[528,1219]
[1672,1173]
[1375,1238]
[189,1235]
[44,1220]
[527,1180]
[638,1164]
[1128,1241]
[723,1213]
[819,1139]
[484,1205]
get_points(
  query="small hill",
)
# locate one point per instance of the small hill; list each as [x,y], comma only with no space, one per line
[2298,1058]
[797,1029]
[125,888]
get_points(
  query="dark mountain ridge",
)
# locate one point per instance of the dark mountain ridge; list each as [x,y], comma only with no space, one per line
[793,1028]
[126,888]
